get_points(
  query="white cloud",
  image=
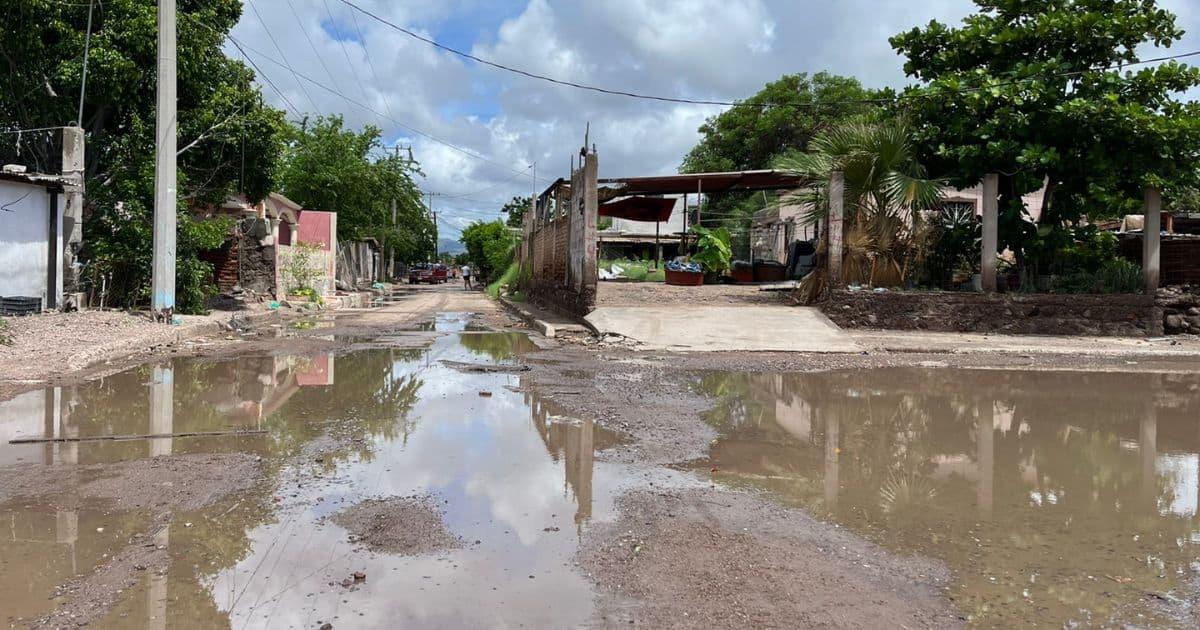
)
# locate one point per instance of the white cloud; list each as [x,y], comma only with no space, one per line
[700,49]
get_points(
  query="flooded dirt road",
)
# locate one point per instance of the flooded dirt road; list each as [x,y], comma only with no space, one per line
[454,473]
[1059,498]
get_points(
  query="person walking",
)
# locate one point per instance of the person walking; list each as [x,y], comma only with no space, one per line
[466,273]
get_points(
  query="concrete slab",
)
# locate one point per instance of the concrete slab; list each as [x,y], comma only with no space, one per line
[725,328]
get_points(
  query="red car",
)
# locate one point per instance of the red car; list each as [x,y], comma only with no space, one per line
[433,274]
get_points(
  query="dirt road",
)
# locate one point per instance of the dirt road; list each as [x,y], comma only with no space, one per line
[551,484]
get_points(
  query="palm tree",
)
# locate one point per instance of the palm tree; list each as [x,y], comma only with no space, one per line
[885,191]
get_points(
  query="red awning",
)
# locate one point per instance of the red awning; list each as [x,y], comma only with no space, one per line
[639,209]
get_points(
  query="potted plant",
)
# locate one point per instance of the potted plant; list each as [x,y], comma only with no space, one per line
[714,251]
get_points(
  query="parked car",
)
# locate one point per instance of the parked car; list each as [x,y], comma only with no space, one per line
[433,274]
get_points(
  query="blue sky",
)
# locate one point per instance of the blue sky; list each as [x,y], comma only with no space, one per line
[500,123]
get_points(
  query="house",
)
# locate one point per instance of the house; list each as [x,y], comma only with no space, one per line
[31,239]
[776,226]
[251,261]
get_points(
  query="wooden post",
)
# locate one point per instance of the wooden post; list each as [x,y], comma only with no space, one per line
[837,201]
[991,211]
[1151,240]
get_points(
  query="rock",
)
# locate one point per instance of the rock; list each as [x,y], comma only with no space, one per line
[1193,311]
[1192,322]
[1173,322]
[326,626]
[360,576]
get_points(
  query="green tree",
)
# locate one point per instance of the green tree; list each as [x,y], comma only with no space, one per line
[516,209]
[228,138]
[490,247]
[784,116]
[330,167]
[1035,91]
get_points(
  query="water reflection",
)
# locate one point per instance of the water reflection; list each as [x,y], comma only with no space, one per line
[518,481]
[1055,497]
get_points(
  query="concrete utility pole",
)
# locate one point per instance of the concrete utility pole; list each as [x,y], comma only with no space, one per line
[837,204]
[72,228]
[1151,239]
[163,284]
[991,219]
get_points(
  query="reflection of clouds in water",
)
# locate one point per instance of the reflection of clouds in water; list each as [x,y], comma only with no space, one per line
[1179,472]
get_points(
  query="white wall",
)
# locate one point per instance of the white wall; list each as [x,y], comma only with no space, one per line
[673,225]
[24,222]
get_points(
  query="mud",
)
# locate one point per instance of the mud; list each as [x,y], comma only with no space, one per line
[159,484]
[716,559]
[159,487]
[407,526]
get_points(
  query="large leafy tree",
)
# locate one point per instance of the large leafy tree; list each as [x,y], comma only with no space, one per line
[1036,91]
[228,139]
[330,167]
[783,116]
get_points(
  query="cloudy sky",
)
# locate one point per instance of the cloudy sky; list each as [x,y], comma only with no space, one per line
[696,49]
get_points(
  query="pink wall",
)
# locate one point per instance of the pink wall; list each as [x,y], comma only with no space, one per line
[316,227]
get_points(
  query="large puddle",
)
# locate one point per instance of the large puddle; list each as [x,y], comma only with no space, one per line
[1054,498]
[517,484]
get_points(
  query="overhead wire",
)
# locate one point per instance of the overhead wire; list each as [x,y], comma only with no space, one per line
[246,47]
[278,49]
[265,77]
[387,102]
[725,103]
[311,45]
[337,34]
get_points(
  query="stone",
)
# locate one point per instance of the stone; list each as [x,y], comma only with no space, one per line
[1173,322]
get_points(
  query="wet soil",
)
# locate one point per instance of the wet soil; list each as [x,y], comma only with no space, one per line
[603,486]
[707,558]
[407,526]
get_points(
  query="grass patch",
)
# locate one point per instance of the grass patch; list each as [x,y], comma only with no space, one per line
[5,338]
[509,277]
[636,270]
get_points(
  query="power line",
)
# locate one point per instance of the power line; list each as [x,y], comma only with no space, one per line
[244,47]
[280,51]
[265,77]
[387,102]
[311,45]
[672,99]
[337,34]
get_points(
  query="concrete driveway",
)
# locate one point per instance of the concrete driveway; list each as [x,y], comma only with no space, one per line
[725,328]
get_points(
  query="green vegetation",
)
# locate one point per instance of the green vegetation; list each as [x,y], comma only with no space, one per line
[330,167]
[1035,91]
[491,247]
[635,270]
[508,278]
[752,137]
[713,249]
[6,338]
[885,191]
[516,209]
[230,141]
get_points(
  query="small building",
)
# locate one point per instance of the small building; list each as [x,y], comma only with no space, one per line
[31,239]
[776,226]
[634,240]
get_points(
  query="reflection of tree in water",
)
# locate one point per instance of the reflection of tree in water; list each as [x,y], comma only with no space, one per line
[497,346]
[1066,494]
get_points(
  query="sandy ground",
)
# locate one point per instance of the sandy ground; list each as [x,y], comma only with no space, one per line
[676,557]
[406,526]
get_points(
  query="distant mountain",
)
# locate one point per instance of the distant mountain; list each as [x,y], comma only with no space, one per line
[450,246]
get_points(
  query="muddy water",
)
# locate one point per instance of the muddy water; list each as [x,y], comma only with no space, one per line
[1054,498]
[516,484]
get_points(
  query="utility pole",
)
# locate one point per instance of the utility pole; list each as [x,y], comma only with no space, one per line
[390,267]
[435,228]
[163,284]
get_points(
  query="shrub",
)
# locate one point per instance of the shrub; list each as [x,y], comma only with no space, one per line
[714,249]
